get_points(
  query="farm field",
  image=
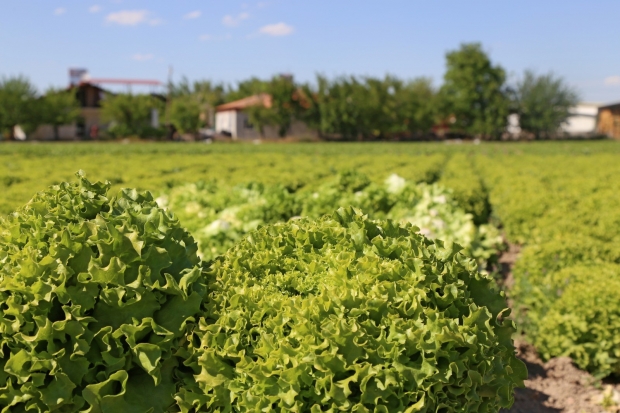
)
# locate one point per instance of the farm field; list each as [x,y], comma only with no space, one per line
[557,203]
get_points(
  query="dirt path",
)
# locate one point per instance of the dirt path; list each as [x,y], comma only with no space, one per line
[556,386]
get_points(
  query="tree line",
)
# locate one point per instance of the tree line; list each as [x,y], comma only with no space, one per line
[474,100]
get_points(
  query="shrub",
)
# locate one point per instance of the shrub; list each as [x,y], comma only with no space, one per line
[97,294]
[349,314]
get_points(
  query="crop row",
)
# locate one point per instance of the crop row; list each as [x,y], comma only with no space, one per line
[565,211]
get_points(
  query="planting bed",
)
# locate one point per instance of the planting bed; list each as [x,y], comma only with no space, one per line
[541,219]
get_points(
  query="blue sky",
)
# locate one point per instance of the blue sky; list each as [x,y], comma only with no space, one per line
[233,40]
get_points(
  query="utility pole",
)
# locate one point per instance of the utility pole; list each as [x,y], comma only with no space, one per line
[168,97]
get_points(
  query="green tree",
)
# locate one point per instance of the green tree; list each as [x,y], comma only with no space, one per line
[131,114]
[351,108]
[59,107]
[206,93]
[185,114]
[543,102]
[252,86]
[473,95]
[18,105]
[286,102]
[339,102]
[416,102]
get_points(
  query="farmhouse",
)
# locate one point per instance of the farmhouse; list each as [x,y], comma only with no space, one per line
[608,122]
[90,96]
[232,119]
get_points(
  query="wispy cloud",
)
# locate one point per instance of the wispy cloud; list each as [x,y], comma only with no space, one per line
[277,29]
[612,81]
[205,37]
[142,57]
[234,21]
[60,11]
[193,14]
[95,8]
[127,17]
[156,22]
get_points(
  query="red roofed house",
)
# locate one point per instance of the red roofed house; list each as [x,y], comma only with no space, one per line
[230,119]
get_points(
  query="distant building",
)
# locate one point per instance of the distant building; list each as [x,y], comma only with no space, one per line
[231,119]
[90,97]
[609,120]
[582,120]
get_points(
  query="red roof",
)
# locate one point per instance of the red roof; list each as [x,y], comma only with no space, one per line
[123,81]
[254,100]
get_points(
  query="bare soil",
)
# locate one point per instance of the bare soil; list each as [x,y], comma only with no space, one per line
[556,386]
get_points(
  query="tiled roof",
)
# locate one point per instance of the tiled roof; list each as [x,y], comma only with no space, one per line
[260,99]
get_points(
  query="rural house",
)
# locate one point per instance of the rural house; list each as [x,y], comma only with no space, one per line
[90,96]
[232,120]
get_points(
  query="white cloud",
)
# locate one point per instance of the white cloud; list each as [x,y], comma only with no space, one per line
[142,57]
[234,21]
[193,15]
[127,17]
[60,11]
[156,22]
[612,80]
[278,29]
[94,8]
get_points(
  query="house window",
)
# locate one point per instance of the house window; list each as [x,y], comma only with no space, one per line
[247,124]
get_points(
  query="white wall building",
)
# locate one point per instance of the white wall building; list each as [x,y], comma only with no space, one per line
[230,118]
[582,120]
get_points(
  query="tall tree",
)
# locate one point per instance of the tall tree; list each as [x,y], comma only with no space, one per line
[18,105]
[205,93]
[131,114]
[473,95]
[185,114]
[286,102]
[351,107]
[543,102]
[59,107]
[417,106]
[249,87]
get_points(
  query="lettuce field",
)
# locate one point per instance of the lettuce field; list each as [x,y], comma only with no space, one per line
[358,277]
